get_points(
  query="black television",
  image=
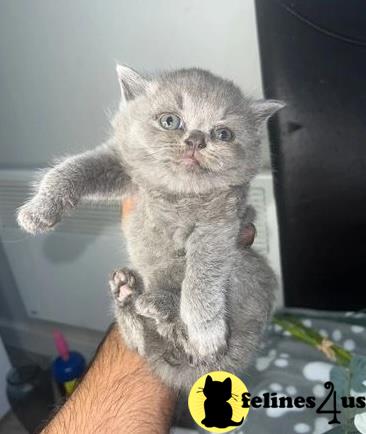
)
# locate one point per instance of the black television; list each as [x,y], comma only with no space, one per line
[313,55]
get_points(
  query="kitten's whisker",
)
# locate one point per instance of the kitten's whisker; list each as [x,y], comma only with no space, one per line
[157,151]
[148,150]
[154,153]
[212,158]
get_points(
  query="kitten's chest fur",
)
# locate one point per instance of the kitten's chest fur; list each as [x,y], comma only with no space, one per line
[160,224]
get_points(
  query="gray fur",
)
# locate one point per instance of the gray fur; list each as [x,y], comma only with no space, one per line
[196,301]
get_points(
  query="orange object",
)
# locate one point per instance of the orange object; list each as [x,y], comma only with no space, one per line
[128,205]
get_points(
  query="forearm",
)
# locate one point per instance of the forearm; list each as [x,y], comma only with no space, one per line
[118,394]
[208,267]
[203,298]
[95,172]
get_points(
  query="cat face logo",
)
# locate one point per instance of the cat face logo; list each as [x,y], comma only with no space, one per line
[215,402]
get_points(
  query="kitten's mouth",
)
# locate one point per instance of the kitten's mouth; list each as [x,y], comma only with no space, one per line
[190,159]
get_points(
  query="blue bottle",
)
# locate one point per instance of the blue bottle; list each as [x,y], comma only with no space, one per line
[68,367]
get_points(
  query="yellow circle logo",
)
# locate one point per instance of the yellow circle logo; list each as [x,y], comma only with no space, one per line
[215,402]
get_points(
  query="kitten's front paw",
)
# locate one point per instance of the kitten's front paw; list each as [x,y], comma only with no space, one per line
[210,340]
[122,285]
[40,214]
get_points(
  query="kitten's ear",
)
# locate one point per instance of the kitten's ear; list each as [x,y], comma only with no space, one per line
[227,383]
[208,380]
[131,82]
[264,108]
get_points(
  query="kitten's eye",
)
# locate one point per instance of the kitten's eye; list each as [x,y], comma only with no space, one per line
[170,121]
[223,134]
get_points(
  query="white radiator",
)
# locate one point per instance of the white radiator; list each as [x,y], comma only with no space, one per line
[62,276]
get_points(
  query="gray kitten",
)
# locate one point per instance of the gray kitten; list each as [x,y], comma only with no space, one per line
[186,144]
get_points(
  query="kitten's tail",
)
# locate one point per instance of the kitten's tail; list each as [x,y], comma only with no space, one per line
[232,423]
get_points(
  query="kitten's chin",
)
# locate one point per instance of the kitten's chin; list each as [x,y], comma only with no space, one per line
[186,178]
[191,179]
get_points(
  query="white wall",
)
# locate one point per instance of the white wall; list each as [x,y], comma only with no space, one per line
[57,74]
[4,368]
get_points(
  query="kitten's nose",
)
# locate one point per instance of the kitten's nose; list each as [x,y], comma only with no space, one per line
[196,139]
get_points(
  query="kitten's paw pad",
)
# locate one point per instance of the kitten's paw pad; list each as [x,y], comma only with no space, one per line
[152,306]
[38,215]
[122,284]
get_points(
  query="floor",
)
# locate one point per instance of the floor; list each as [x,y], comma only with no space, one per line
[9,424]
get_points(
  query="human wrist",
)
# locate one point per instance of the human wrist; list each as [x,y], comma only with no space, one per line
[117,392]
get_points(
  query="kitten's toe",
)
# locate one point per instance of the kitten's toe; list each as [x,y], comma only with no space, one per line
[122,284]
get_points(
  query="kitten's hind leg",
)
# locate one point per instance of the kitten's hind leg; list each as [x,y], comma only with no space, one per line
[163,307]
[158,305]
[125,287]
